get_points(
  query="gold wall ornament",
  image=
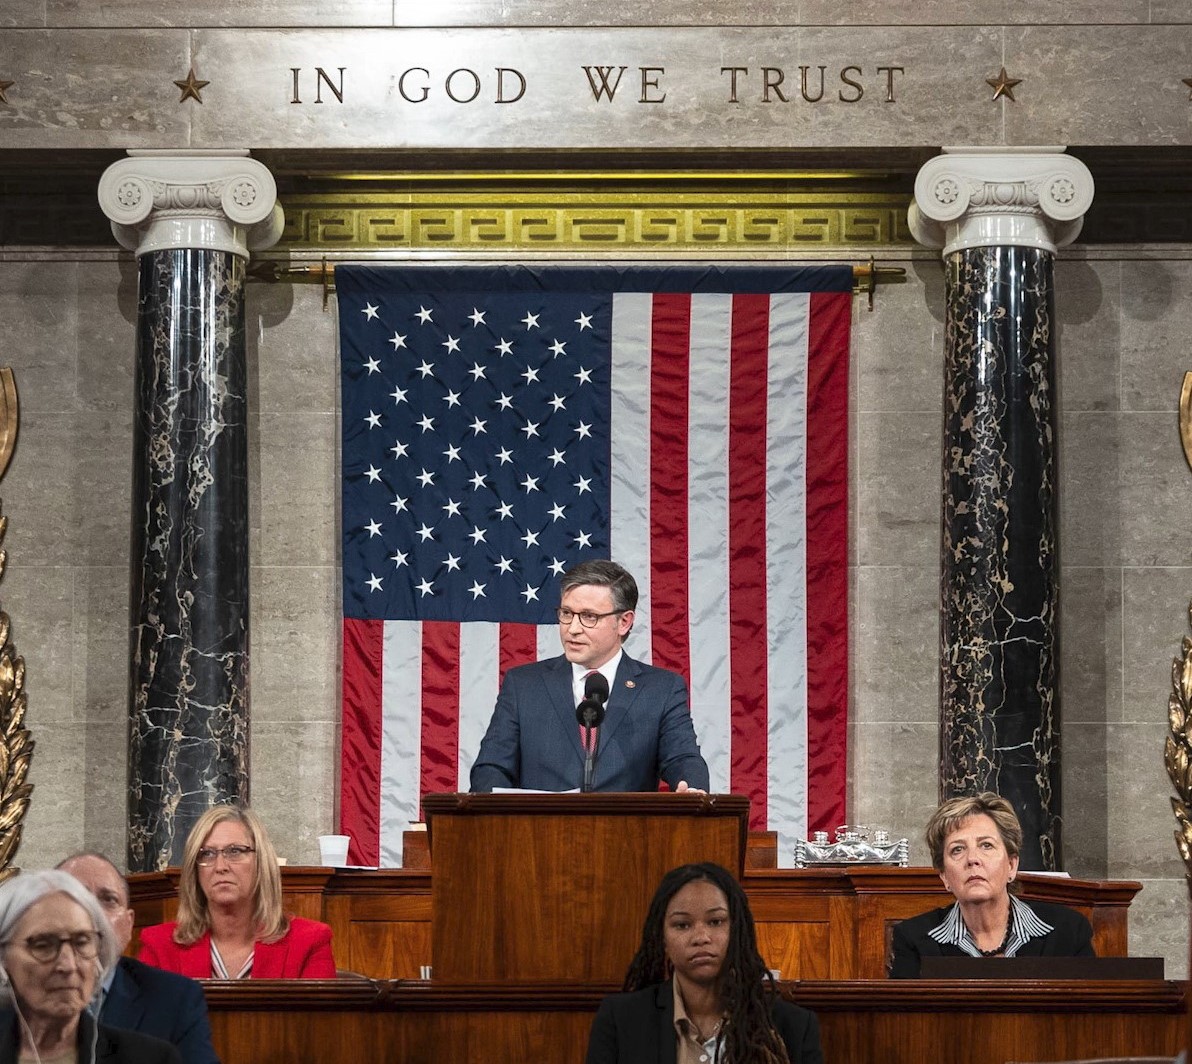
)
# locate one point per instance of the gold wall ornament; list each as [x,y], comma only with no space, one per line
[16,745]
[1177,754]
[9,417]
[1186,417]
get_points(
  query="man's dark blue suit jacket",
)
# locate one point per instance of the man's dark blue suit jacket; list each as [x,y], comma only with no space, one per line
[165,1005]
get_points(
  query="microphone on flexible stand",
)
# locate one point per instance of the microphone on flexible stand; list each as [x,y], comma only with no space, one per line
[590,714]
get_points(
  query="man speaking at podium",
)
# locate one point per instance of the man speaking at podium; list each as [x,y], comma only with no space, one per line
[641,724]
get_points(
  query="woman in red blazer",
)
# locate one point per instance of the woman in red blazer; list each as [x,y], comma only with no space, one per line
[230,920]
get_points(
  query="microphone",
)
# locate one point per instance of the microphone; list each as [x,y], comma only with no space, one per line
[590,714]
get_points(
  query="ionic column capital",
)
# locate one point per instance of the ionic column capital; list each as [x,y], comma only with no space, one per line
[978,197]
[219,200]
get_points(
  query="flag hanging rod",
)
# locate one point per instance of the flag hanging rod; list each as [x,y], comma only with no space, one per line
[866,276]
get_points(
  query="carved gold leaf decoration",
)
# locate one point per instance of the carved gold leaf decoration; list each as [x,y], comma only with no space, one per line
[1177,751]
[9,417]
[16,745]
[1186,417]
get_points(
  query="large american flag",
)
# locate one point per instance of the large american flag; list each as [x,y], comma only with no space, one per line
[502,423]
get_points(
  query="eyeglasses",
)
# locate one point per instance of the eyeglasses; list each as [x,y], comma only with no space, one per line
[587,618]
[45,948]
[208,855]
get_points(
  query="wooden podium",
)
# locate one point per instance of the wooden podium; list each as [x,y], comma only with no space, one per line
[553,888]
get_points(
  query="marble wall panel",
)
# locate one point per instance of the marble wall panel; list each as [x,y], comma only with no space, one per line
[1156,324]
[295,644]
[145,13]
[898,493]
[80,89]
[295,770]
[896,670]
[1089,86]
[55,824]
[895,783]
[1090,644]
[99,626]
[1085,782]
[39,600]
[1140,820]
[292,344]
[29,14]
[1090,474]
[105,335]
[1155,489]
[1159,924]
[1089,334]
[39,309]
[1155,620]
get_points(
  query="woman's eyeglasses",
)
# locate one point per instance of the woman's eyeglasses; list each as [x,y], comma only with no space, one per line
[45,948]
[208,855]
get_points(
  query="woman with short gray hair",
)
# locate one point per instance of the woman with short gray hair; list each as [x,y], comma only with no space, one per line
[56,946]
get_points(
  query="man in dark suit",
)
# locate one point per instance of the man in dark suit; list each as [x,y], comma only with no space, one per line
[534,741]
[138,997]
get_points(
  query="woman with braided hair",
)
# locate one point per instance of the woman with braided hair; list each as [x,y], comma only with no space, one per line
[698,991]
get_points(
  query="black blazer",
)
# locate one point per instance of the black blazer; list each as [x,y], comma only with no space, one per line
[1071,936]
[112,1046]
[167,1006]
[639,1028]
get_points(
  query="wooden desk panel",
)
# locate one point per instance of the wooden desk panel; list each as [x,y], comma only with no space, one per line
[880,1022]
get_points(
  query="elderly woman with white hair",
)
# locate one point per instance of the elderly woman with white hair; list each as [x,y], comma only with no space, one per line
[56,946]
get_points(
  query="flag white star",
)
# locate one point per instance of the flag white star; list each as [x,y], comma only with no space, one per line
[426,369]
[477,371]
[505,565]
[374,420]
[530,594]
[399,395]
[399,449]
[584,376]
[505,455]
[505,402]
[558,348]
[530,483]
[451,398]
[530,539]
[477,426]
[373,474]
[504,510]
[531,374]
[556,512]
[557,568]
[584,430]
[374,528]
[370,312]
[556,457]
[584,539]
[373,366]
[477,481]
[584,321]
[452,563]
[424,315]
[557,401]
[531,321]
[427,478]
[477,535]
[583,484]
[451,343]
[477,317]
[400,558]
[477,590]
[397,340]
[374,582]
[426,422]
[505,347]
[426,587]
[452,508]
[452,454]
[530,428]
[399,503]
[425,533]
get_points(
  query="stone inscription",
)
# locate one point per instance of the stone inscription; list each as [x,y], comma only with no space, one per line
[613,84]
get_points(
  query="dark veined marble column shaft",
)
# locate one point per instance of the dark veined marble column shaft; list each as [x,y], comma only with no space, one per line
[191,218]
[999,568]
[188,737]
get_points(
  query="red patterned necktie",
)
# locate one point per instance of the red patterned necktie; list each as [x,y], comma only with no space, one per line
[583,732]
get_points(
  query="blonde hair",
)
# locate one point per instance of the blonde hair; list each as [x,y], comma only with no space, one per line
[194,917]
[949,816]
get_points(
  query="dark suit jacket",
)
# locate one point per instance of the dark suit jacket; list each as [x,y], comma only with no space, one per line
[533,740]
[1071,936]
[639,1028]
[165,1005]
[304,952]
[112,1046]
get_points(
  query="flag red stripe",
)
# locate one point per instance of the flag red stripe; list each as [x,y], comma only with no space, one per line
[360,740]
[827,559]
[670,361]
[440,708]
[518,646]
[747,553]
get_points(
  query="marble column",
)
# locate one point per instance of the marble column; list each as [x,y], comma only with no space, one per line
[191,218]
[998,215]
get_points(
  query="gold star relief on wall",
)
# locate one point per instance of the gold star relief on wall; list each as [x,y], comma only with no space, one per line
[1003,85]
[4,87]
[1188,82]
[190,87]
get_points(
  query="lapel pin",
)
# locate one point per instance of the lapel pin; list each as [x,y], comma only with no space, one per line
[630,683]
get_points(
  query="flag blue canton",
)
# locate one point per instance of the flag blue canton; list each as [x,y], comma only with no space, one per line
[475,449]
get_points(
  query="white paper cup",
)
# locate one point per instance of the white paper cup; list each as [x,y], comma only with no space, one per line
[333,850]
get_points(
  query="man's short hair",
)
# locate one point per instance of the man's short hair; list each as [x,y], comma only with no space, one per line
[608,574]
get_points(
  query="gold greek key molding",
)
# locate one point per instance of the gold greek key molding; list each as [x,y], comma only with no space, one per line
[720,217]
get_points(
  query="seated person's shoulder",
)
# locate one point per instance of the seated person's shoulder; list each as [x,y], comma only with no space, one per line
[301,927]
[157,933]
[143,1048]
[159,978]
[916,926]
